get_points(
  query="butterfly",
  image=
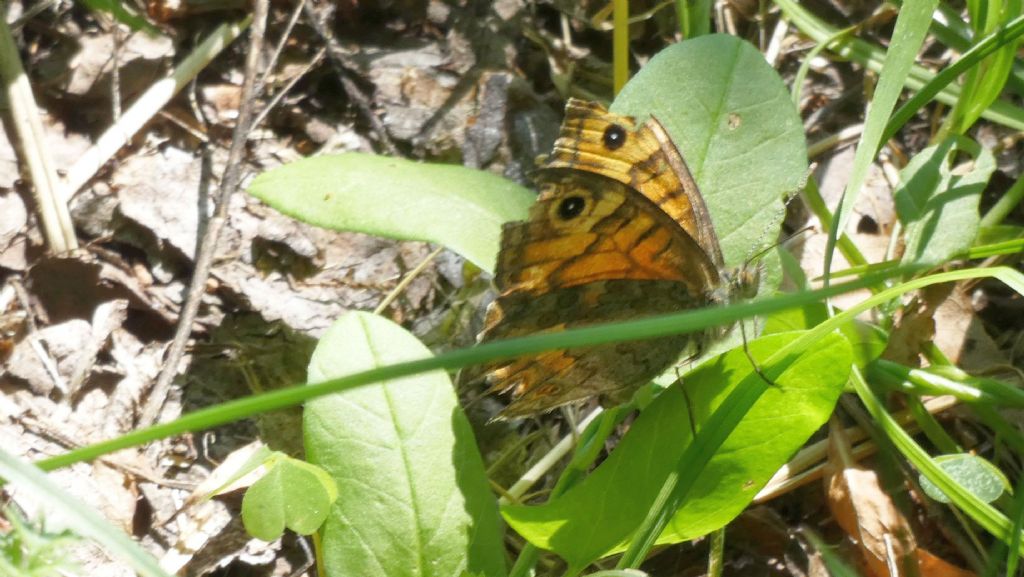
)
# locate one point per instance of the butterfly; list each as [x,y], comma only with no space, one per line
[619,232]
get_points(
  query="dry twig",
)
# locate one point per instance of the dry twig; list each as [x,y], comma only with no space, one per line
[228,185]
[28,126]
[338,59]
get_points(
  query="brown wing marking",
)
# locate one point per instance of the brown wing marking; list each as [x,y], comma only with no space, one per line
[547,380]
[616,235]
[645,159]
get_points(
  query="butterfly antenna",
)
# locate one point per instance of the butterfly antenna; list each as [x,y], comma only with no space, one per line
[743,330]
[689,412]
[786,242]
[790,196]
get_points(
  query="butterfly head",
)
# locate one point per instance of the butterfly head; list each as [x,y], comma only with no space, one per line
[744,281]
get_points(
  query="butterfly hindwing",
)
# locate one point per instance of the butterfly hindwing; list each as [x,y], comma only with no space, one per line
[540,382]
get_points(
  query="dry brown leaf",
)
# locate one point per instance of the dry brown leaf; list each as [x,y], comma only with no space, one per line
[915,326]
[867,514]
[932,566]
[864,510]
[961,336]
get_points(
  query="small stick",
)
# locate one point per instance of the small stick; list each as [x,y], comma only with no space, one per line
[775,44]
[34,340]
[279,48]
[33,150]
[848,134]
[106,318]
[338,57]
[549,460]
[287,87]
[406,281]
[204,258]
[53,433]
[115,74]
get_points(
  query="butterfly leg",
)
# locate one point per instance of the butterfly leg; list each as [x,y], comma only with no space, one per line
[753,362]
[689,403]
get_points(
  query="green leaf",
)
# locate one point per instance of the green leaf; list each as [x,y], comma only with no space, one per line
[873,57]
[413,496]
[983,83]
[868,341]
[938,203]
[626,483]
[460,208]
[291,494]
[730,115]
[975,474]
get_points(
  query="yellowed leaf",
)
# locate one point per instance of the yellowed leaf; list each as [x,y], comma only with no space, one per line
[867,514]
[933,566]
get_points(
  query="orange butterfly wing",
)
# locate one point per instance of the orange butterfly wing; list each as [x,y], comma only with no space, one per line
[643,158]
[618,232]
[586,228]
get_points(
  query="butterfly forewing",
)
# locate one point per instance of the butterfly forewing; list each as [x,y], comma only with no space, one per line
[643,158]
[614,235]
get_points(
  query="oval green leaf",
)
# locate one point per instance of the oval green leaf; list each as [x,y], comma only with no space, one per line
[413,496]
[460,208]
[731,117]
[976,475]
[938,203]
[291,494]
[627,482]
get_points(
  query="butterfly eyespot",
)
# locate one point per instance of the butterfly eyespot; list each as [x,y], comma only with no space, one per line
[614,137]
[571,207]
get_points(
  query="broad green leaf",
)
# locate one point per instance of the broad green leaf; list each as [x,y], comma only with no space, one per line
[292,494]
[625,484]
[868,341]
[413,497]
[938,202]
[975,474]
[730,115]
[460,208]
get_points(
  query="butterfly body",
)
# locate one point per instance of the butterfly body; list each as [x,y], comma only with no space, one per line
[619,232]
